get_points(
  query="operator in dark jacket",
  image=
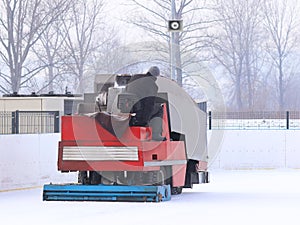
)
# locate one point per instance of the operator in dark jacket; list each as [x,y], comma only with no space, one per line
[147,111]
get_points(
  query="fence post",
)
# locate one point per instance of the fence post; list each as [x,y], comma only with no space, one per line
[15,122]
[287,120]
[209,120]
[56,122]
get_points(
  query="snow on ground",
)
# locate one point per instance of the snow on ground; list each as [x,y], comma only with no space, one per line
[233,197]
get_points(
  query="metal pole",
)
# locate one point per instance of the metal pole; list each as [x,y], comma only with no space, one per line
[173,16]
[209,120]
[287,120]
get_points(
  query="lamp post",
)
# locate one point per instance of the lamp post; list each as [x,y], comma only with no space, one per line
[174,26]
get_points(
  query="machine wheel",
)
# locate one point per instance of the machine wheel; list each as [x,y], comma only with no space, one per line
[176,190]
[95,177]
[160,177]
[83,177]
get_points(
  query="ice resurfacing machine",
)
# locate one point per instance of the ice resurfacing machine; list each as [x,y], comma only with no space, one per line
[118,162]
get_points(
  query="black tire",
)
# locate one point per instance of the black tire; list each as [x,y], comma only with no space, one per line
[83,177]
[176,190]
[95,178]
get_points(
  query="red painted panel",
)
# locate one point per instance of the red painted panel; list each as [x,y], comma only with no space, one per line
[146,152]
[84,128]
[178,175]
[72,165]
[165,132]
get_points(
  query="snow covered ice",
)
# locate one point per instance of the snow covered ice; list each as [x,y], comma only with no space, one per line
[232,197]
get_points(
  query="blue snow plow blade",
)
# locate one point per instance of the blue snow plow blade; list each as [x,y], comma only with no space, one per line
[79,192]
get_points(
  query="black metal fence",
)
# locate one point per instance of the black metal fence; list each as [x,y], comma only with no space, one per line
[254,120]
[29,122]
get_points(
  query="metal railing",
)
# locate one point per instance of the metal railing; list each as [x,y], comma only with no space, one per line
[254,120]
[29,122]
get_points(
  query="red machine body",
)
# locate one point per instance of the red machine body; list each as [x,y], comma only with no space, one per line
[87,146]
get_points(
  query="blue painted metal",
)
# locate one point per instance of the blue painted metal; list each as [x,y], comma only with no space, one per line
[79,192]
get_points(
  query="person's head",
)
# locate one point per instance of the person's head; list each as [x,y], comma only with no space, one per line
[154,71]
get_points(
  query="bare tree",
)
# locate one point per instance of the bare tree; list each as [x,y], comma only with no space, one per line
[81,27]
[292,92]
[281,21]
[236,47]
[152,16]
[48,50]
[22,25]
[112,55]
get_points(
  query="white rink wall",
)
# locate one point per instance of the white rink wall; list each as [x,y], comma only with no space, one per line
[29,160]
[258,149]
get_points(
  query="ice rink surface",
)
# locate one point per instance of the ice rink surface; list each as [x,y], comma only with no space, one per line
[232,197]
